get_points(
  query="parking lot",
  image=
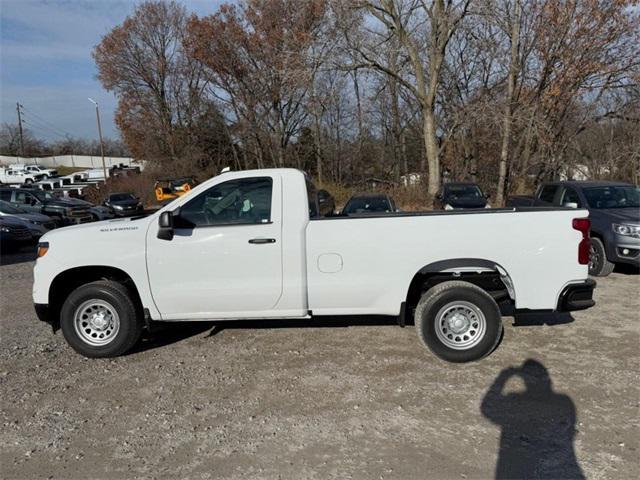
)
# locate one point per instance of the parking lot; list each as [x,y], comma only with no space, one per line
[329,398]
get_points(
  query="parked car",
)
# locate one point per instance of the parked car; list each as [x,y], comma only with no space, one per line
[364,203]
[12,176]
[45,173]
[123,204]
[37,223]
[614,211]
[247,248]
[461,195]
[98,212]
[65,211]
[13,234]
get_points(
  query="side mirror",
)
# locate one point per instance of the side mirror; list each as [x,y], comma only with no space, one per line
[570,205]
[165,226]
[439,196]
[487,196]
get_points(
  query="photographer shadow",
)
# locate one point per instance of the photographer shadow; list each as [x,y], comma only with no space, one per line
[538,426]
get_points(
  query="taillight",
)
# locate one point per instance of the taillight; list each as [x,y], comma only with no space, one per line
[583,225]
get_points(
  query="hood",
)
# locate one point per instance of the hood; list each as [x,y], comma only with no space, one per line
[12,221]
[68,202]
[32,217]
[465,202]
[617,215]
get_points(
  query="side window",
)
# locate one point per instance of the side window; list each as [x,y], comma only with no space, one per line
[5,195]
[244,201]
[21,197]
[570,196]
[548,193]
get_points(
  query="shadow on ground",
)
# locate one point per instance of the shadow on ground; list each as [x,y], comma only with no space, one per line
[163,334]
[537,426]
[626,269]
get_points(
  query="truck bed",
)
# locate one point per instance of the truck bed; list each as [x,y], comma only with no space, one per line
[383,253]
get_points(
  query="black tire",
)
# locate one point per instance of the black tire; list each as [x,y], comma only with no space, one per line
[115,295]
[28,181]
[45,177]
[599,266]
[444,296]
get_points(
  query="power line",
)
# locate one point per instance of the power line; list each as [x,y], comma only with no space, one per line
[41,128]
[47,123]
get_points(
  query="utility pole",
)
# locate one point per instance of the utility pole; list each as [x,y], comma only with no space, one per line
[104,167]
[18,106]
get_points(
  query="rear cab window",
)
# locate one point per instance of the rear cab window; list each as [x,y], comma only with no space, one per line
[548,193]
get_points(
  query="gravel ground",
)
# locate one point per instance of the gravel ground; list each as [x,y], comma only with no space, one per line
[323,399]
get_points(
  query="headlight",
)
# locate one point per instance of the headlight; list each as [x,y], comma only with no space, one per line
[118,207]
[5,229]
[487,206]
[627,229]
[448,207]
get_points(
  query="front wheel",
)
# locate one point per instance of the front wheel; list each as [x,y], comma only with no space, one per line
[99,319]
[458,321]
[599,266]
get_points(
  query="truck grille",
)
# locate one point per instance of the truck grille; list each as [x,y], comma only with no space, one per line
[20,233]
[79,212]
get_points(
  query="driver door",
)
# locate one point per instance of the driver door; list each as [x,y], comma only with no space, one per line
[225,259]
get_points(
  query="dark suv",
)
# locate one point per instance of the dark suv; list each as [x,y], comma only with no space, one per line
[66,211]
[614,211]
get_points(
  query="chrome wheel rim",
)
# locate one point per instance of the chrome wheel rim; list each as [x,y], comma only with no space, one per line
[460,325]
[96,322]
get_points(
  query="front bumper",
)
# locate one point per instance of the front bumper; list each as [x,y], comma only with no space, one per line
[42,311]
[623,249]
[577,296]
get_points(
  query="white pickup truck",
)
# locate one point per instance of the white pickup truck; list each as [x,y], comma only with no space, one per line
[250,245]
[37,170]
[18,176]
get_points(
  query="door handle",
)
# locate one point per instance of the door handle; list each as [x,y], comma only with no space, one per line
[262,240]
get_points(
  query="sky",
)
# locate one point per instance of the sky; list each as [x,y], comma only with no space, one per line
[46,64]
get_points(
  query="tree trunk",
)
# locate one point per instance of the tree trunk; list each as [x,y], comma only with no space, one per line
[508,110]
[431,150]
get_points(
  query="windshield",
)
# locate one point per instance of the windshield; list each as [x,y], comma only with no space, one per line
[615,196]
[463,191]
[119,197]
[7,208]
[367,204]
[42,196]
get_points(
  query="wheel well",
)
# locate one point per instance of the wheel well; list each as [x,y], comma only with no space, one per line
[67,281]
[492,280]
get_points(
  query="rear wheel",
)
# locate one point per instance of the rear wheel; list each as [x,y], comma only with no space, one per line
[458,321]
[99,319]
[28,181]
[599,266]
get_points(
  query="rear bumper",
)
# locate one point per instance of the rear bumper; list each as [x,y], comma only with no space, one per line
[578,296]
